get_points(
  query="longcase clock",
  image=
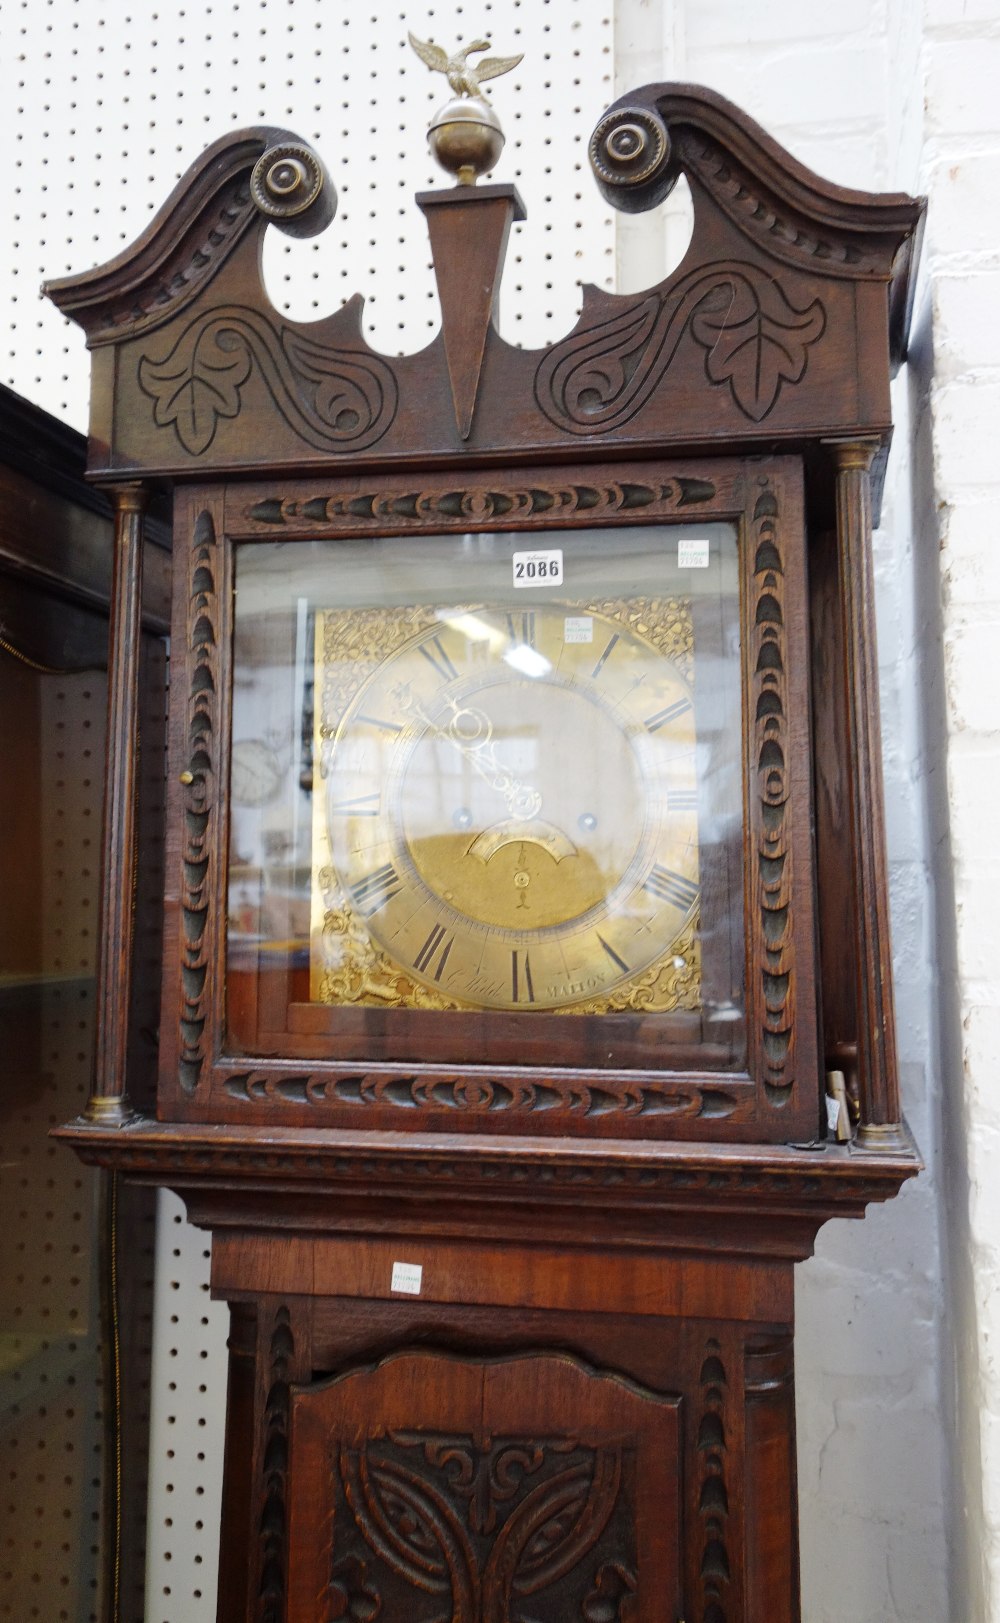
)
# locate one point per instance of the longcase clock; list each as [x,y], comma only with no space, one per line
[527,996]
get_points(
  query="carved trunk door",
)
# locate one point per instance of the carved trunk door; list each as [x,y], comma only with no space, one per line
[533,1490]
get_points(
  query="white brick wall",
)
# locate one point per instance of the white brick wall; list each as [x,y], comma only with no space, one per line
[961,370]
[843,88]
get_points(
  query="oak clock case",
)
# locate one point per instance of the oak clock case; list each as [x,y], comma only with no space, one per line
[513,932]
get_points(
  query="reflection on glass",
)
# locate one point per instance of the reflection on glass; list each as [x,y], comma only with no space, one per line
[450,793]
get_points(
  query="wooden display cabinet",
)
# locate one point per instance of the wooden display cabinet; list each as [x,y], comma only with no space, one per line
[518,925]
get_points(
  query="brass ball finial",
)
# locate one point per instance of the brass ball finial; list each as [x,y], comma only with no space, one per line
[465,134]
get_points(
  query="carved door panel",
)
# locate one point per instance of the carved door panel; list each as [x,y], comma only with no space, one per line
[526,1490]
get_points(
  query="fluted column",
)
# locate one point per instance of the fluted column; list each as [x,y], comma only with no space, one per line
[109,1099]
[877,1072]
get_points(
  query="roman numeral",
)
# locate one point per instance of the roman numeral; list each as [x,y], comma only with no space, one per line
[439,659]
[620,962]
[360,806]
[527,634]
[668,886]
[682,799]
[376,889]
[522,989]
[608,650]
[653,724]
[377,721]
[436,944]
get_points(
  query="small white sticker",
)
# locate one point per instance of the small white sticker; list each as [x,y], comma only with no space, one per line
[538,568]
[692,553]
[832,1113]
[578,628]
[407,1277]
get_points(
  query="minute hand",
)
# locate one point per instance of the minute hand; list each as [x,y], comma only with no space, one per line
[470,732]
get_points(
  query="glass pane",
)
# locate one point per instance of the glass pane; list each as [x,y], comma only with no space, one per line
[489,772]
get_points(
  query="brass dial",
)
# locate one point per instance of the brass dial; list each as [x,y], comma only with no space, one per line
[511,808]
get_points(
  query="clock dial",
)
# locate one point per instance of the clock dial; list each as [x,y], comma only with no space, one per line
[509,815]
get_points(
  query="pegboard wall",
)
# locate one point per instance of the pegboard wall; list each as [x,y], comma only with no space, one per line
[51,1392]
[108,103]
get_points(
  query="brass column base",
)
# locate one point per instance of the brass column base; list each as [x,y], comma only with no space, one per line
[109,1110]
[881,1135]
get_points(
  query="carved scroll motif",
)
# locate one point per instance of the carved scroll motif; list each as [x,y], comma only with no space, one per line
[435,1527]
[334,399]
[754,339]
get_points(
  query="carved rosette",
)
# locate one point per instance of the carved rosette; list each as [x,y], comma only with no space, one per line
[773,875]
[199,800]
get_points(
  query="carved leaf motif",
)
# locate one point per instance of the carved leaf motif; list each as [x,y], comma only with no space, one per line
[194,387]
[599,379]
[333,399]
[753,349]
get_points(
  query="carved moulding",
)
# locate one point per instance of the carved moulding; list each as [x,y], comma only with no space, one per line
[200,783]
[593,1097]
[483,504]
[274,1470]
[712,1446]
[819,1181]
[767,673]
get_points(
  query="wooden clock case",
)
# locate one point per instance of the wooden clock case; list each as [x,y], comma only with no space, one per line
[587,1410]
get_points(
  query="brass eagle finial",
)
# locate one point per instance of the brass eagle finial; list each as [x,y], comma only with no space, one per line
[463,76]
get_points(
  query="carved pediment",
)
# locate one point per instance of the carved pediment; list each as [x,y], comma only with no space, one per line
[755,338]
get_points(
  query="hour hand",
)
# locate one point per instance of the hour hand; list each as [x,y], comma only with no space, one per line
[470,731]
